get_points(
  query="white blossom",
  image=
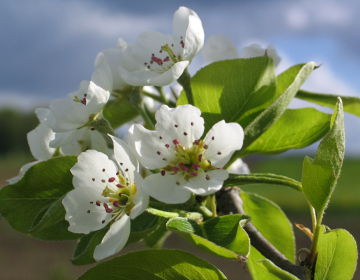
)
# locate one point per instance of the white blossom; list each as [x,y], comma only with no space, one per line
[105,192]
[162,59]
[220,47]
[239,167]
[188,164]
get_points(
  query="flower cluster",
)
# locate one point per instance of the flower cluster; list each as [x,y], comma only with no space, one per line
[108,189]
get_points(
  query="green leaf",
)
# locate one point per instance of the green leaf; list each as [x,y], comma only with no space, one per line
[221,236]
[296,129]
[262,178]
[140,228]
[33,205]
[234,90]
[157,238]
[272,223]
[337,255]
[272,113]
[84,250]
[119,112]
[351,103]
[320,174]
[153,265]
[270,267]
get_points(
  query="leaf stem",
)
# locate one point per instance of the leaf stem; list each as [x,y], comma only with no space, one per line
[184,81]
[313,250]
[162,94]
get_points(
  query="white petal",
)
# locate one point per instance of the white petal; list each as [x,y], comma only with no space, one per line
[22,172]
[169,76]
[183,116]
[256,50]
[219,47]
[187,24]
[64,138]
[165,189]
[39,140]
[138,77]
[140,199]
[148,147]
[42,114]
[102,75]
[72,148]
[124,158]
[228,137]
[271,51]
[113,59]
[77,203]
[97,141]
[121,44]
[114,240]
[90,166]
[201,186]
[239,167]
[149,43]
[68,114]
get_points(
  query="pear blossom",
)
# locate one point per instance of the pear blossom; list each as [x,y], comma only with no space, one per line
[112,59]
[162,59]
[39,142]
[105,192]
[256,50]
[239,167]
[220,47]
[187,164]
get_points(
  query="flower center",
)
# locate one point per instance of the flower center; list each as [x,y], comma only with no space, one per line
[189,162]
[119,192]
[166,58]
[82,101]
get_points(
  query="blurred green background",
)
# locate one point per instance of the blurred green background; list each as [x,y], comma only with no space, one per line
[23,257]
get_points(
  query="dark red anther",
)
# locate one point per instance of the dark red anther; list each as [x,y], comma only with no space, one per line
[207,177]
[108,210]
[116,203]
[106,206]
[83,101]
[181,164]
[196,166]
[185,168]
[185,133]
[112,179]
[120,186]
[163,172]
[176,169]
[98,203]
[193,173]
[219,153]
[166,59]
[197,142]
[158,152]
[167,145]
[200,157]
[213,138]
[176,142]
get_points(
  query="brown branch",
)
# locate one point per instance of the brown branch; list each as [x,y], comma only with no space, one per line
[230,202]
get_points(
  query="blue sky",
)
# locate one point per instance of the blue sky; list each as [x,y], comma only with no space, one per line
[48,47]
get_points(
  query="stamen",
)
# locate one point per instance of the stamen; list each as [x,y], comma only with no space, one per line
[185,168]
[176,142]
[196,166]
[200,157]
[127,169]
[88,211]
[103,221]
[213,138]
[192,124]
[83,101]
[193,173]
[158,152]
[160,137]
[167,145]
[197,142]
[108,210]
[219,153]
[93,179]
[206,146]
[91,202]
[185,134]
[116,203]
[103,170]
[207,177]
[176,125]
[121,163]
[103,181]
[98,203]
[93,128]
[176,169]
[163,172]
[165,159]
[178,183]
[112,179]
[120,186]
[117,173]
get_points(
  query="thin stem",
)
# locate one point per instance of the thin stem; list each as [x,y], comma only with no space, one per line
[313,250]
[184,80]
[313,217]
[158,98]
[162,94]
[230,202]
[161,213]
[136,101]
[207,214]
[213,205]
